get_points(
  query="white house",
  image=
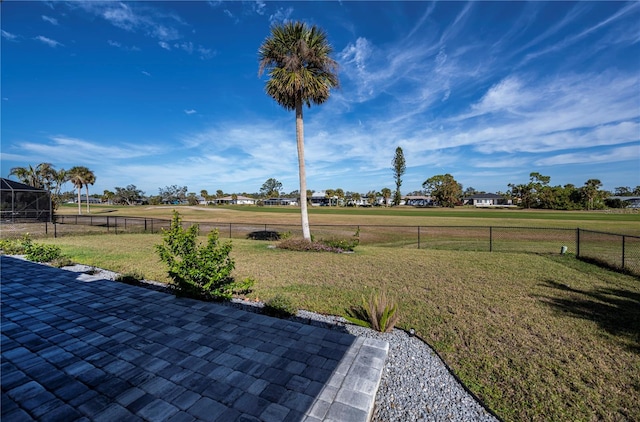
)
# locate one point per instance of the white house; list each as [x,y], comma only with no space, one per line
[239,200]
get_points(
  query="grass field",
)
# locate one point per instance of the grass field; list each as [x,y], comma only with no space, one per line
[537,337]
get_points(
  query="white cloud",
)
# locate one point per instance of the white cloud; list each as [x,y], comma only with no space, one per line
[206,53]
[164,45]
[134,17]
[281,15]
[8,35]
[48,41]
[613,155]
[190,111]
[144,72]
[259,7]
[52,21]
[65,149]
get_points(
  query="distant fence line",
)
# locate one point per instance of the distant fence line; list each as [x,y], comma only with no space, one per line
[613,250]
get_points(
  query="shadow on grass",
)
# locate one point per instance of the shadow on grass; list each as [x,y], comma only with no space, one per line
[616,311]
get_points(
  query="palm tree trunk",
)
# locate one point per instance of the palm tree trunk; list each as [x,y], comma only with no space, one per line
[306,233]
[79,201]
[87,186]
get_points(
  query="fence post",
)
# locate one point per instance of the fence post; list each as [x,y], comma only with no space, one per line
[578,242]
[623,242]
[490,238]
[115,226]
[46,228]
[418,237]
[55,231]
[229,230]
[152,226]
[145,225]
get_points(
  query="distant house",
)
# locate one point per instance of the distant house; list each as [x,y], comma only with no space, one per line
[239,200]
[631,201]
[280,201]
[418,201]
[483,200]
[319,199]
[83,199]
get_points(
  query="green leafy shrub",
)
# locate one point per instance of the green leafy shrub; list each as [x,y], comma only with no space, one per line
[297,244]
[280,306]
[32,251]
[379,313]
[198,270]
[42,253]
[344,244]
[16,246]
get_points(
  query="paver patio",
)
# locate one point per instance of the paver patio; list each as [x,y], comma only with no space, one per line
[78,348]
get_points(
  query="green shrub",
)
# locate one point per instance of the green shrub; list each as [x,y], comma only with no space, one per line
[198,270]
[280,306]
[42,253]
[12,246]
[297,244]
[379,313]
[344,244]
[32,251]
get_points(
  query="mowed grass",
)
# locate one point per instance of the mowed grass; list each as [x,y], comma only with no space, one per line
[536,337]
[621,221]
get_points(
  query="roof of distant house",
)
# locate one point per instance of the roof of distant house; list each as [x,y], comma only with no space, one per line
[484,196]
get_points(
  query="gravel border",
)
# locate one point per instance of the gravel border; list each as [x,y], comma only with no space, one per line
[416,385]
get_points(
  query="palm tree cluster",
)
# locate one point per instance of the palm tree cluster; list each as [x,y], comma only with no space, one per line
[45,176]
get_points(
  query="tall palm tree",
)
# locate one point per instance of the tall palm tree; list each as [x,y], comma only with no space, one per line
[90,179]
[81,176]
[296,58]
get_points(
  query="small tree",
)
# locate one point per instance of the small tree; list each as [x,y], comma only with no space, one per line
[386,195]
[399,167]
[198,270]
[271,188]
[444,189]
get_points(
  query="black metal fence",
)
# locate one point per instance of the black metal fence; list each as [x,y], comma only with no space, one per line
[614,250]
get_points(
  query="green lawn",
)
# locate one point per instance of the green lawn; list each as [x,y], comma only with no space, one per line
[537,337]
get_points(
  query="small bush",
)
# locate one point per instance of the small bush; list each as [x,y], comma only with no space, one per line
[15,246]
[32,251]
[280,306]
[344,244]
[379,313]
[306,245]
[43,253]
[198,270]
[264,235]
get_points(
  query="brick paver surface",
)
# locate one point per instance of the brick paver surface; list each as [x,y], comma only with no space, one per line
[99,350]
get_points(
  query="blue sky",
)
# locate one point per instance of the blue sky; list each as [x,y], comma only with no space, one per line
[163,93]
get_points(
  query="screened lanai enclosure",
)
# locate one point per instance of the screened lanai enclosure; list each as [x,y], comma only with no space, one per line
[23,203]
